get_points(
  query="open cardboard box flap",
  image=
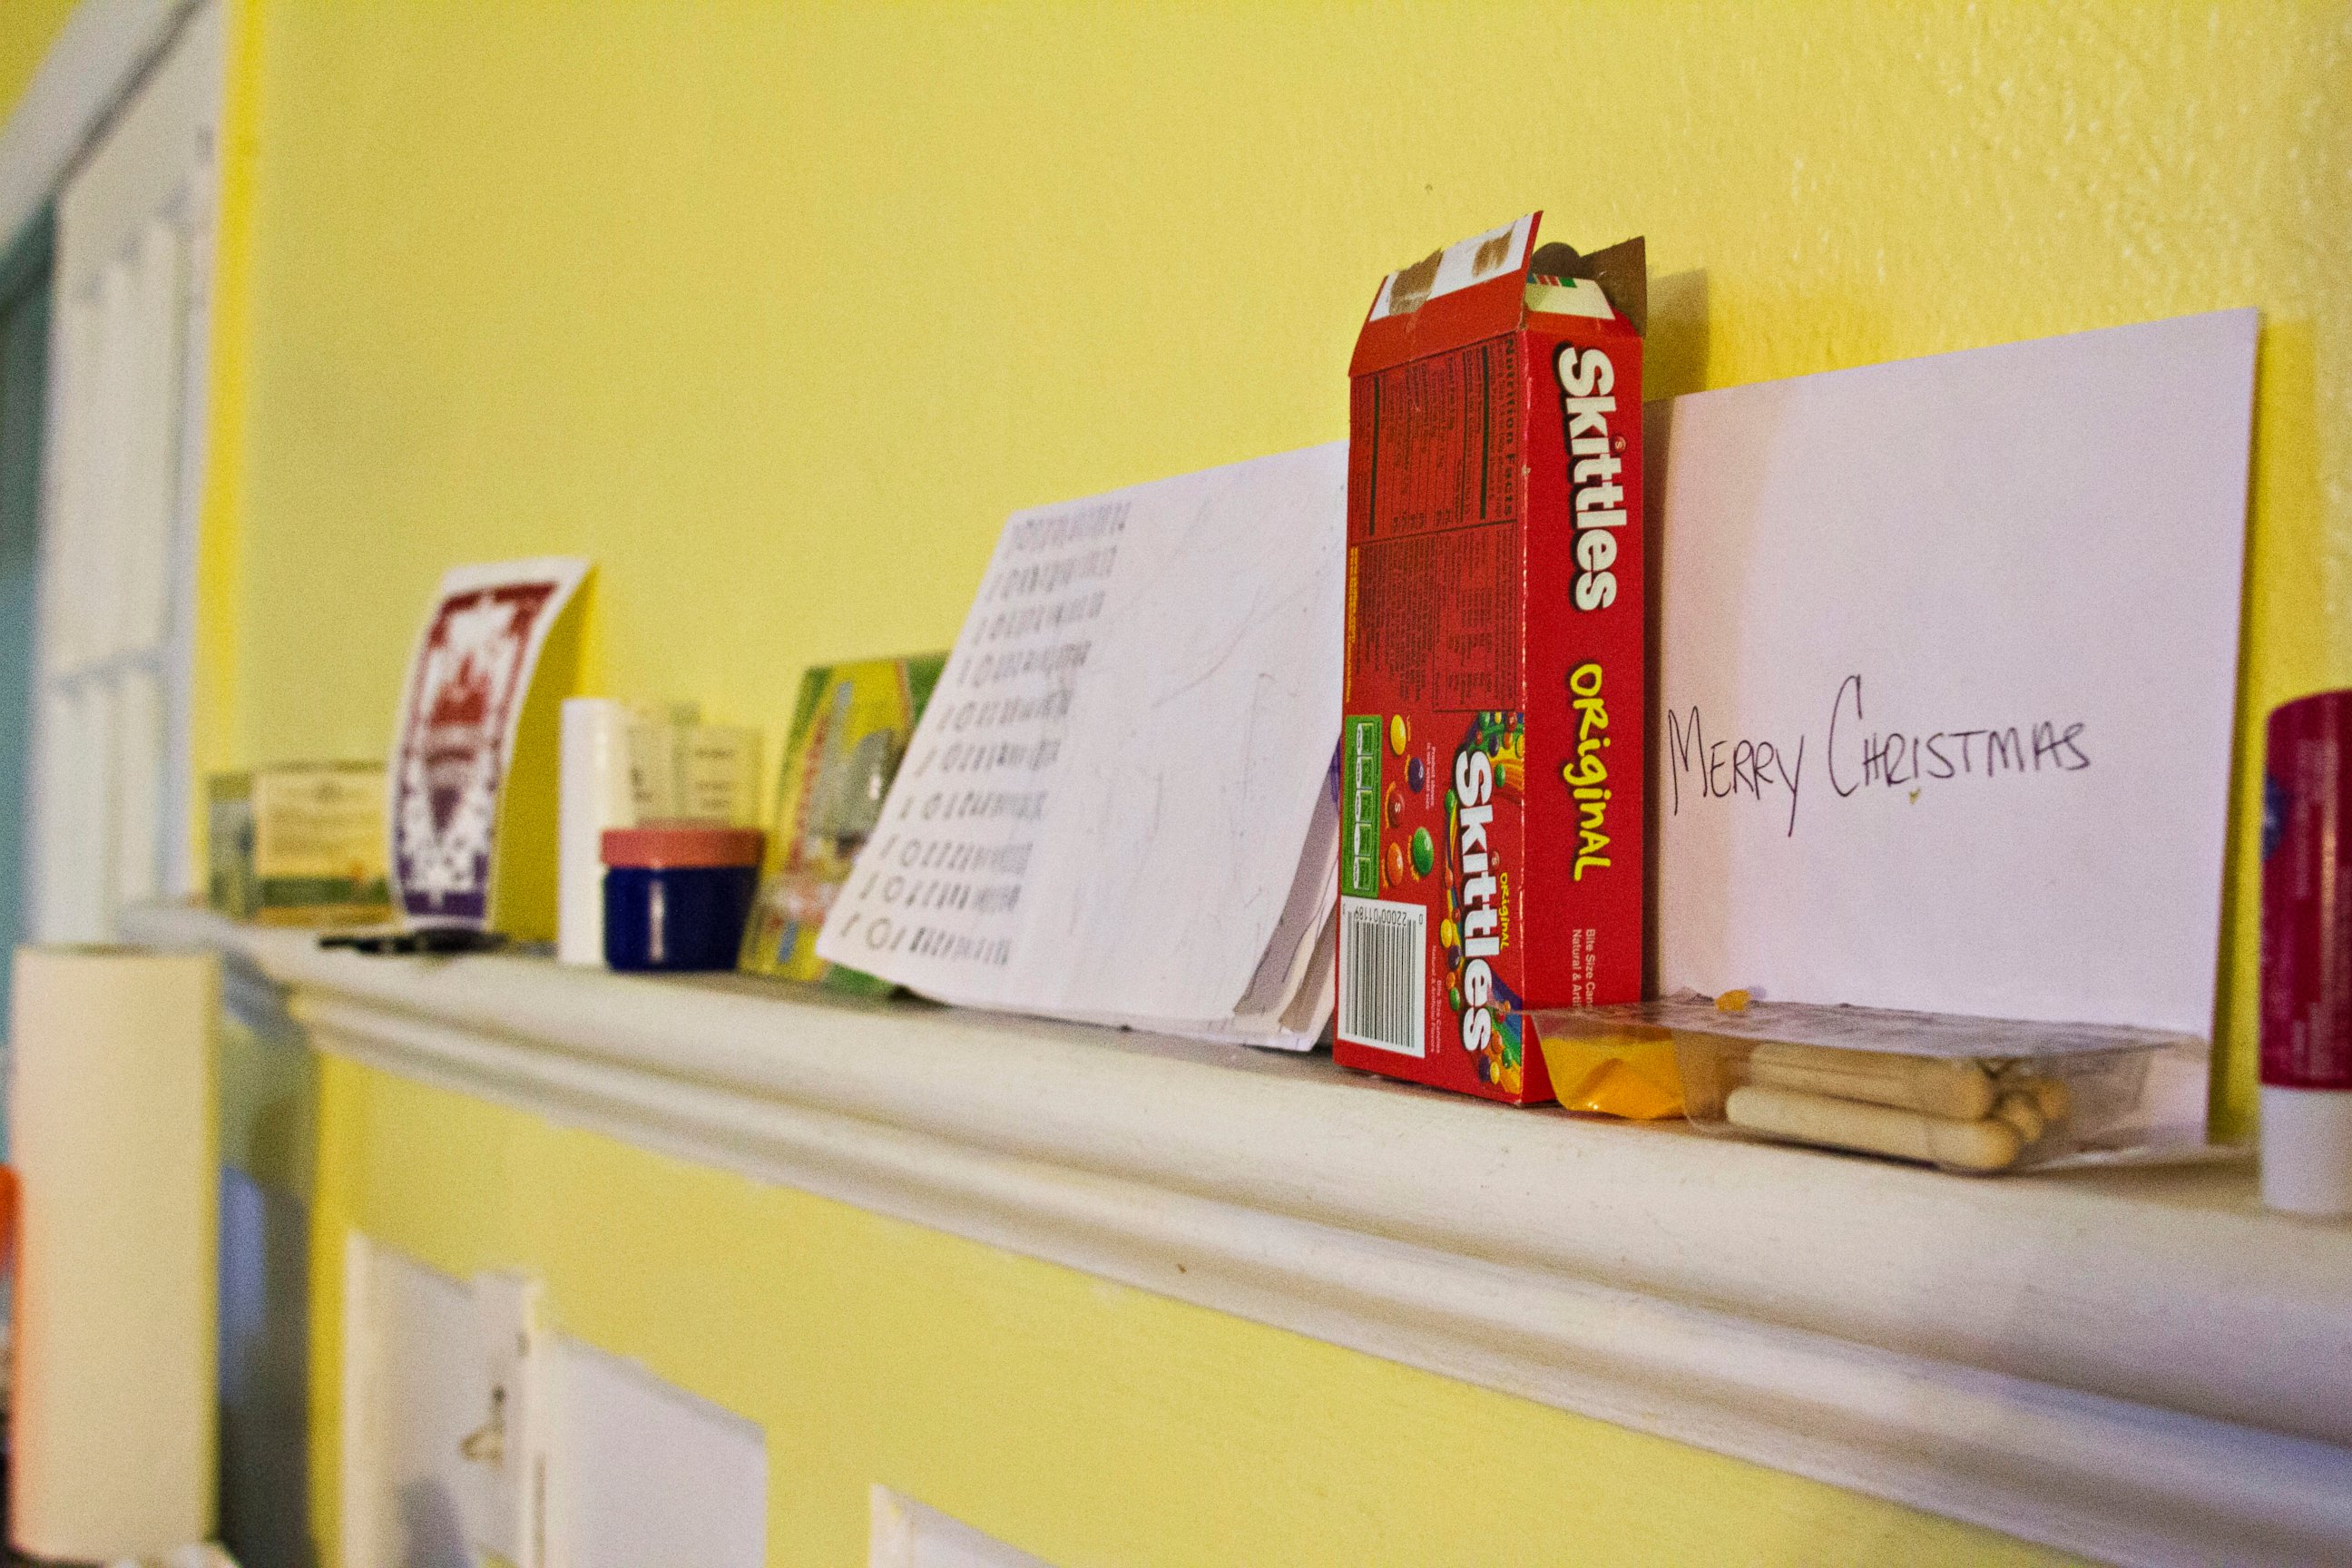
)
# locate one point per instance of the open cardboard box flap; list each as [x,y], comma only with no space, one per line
[1477,289]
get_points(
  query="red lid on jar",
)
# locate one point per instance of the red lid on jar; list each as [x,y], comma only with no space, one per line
[682,846]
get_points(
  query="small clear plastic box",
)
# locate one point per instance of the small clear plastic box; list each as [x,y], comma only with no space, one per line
[1985,1096]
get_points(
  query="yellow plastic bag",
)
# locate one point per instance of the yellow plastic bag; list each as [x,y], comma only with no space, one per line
[1617,1069]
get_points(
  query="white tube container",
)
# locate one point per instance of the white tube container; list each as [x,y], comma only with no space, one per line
[594,795]
[2307,1151]
[111,1127]
[602,771]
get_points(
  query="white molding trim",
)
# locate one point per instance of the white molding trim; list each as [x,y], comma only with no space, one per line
[99,54]
[2143,1367]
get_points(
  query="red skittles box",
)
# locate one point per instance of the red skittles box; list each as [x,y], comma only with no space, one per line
[1491,754]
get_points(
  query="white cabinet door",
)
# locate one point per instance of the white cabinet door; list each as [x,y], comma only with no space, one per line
[647,1476]
[633,1472]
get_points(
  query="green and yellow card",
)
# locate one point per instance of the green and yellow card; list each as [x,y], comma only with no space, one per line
[850,728]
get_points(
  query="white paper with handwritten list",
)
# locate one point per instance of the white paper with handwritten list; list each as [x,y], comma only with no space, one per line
[1947,666]
[1117,805]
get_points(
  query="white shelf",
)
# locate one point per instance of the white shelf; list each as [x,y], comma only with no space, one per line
[2139,1365]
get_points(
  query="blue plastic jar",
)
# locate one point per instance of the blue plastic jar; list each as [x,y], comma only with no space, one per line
[675,897]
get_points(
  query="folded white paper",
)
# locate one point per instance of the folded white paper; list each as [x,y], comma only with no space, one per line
[1117,805]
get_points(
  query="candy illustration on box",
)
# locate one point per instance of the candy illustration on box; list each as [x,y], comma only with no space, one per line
[464,697]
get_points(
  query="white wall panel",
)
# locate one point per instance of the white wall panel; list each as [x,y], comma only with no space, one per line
[414,1389]
[909,1534]
[650,1477]
[640,1473]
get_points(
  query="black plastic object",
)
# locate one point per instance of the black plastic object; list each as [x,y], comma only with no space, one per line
[433,940]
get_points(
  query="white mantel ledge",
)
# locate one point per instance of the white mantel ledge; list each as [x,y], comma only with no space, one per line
[2142,1366]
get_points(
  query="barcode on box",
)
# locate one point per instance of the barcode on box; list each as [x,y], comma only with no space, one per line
[1381,951]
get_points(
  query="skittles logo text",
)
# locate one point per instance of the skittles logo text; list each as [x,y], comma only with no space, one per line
[1473,787]
[1587,774]
[1597,502]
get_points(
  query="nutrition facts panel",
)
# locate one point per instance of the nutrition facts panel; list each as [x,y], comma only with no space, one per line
[1438,615]
[1435,573]
[1444,451]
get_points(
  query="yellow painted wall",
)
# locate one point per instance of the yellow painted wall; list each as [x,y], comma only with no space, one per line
[776,312]
[1085,1421]
[26,29]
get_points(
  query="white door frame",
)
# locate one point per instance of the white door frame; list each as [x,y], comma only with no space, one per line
[123,459]
[96,59]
